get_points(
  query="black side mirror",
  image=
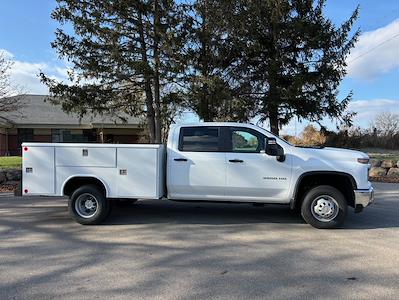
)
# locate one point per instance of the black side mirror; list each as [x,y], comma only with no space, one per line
[274,149]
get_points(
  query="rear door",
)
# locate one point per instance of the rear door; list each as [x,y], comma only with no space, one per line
[252,175]
[197,168]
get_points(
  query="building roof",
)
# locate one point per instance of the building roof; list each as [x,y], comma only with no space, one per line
[37,112]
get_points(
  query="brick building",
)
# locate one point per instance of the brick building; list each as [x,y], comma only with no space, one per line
[40,121]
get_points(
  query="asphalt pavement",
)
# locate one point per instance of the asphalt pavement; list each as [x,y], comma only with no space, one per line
[170,250]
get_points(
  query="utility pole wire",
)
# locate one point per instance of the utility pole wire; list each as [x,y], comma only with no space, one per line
[375,47]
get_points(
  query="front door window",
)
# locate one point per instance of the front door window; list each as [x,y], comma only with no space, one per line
[243,141]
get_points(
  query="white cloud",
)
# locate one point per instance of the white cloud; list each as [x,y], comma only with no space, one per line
[368,109]
[24,74]
[375,53]
[6,54]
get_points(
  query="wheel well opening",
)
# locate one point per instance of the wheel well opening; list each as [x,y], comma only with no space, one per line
[76,182]
[344,183]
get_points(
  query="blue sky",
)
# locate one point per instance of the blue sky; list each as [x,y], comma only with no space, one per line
[27,30]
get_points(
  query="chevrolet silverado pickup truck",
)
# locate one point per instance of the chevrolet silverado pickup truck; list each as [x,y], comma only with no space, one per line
[216,162]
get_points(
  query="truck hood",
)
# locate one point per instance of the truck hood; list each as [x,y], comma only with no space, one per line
[330,153]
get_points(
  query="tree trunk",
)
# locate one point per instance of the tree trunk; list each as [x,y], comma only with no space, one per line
[157,100]
[274,95]
[272,107]
[206,105]
[151,122]
[273,118]
[147,86]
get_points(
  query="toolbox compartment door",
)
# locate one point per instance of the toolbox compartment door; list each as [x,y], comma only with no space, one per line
[86,157]
[38,172]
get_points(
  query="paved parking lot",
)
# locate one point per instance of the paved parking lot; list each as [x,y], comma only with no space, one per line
[168,250]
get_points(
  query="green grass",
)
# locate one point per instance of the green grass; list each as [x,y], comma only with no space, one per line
[7,162]
[384,157]
[378,153]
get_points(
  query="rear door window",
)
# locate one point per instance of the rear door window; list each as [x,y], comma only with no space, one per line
[200,139]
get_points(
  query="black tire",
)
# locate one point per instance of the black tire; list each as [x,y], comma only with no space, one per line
[324,207]
[94,215]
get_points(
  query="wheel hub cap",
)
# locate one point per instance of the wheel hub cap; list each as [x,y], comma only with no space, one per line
[325,208]
[89,204]
[86,205]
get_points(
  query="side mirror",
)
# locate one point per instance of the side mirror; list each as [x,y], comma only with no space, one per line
[274,149]
[271,146]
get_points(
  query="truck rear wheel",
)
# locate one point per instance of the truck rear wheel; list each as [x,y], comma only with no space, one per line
[88,205]
[324,207]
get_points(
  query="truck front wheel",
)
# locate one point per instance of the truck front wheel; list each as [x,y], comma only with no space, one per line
[88,205]
[324,207]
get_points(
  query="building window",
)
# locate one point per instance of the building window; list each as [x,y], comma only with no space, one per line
[56,136]
[25,135]
[72,136]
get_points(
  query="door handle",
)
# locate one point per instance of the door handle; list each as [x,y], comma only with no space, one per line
[236,160]
[180,159]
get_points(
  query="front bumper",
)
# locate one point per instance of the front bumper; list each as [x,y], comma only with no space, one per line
[364,198]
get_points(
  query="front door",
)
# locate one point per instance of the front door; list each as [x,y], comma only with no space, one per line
[197,169]
[252,175]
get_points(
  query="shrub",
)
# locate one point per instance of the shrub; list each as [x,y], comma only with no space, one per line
[310,136]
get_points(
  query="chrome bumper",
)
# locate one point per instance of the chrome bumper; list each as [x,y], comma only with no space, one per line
[364,198]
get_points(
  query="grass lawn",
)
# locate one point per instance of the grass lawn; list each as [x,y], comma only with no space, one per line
[382,153]
[7,162]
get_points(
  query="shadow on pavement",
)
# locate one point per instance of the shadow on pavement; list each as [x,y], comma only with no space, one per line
[378,215]
[382,214]
[165,211]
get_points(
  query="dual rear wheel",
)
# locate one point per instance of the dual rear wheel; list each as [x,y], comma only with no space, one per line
[89,206]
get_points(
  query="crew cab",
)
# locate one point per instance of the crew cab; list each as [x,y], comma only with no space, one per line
[216,162]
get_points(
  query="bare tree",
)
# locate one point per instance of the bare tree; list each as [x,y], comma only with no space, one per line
[8,103]
[386,124]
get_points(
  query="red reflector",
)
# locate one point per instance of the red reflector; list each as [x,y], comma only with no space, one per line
[25,191]
[25,148]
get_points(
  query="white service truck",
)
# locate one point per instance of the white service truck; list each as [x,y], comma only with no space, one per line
[217,162]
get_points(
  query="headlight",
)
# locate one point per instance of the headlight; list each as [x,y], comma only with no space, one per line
[363,160]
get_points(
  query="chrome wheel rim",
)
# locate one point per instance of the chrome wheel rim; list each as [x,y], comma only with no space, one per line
[86,205]
[324,208]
